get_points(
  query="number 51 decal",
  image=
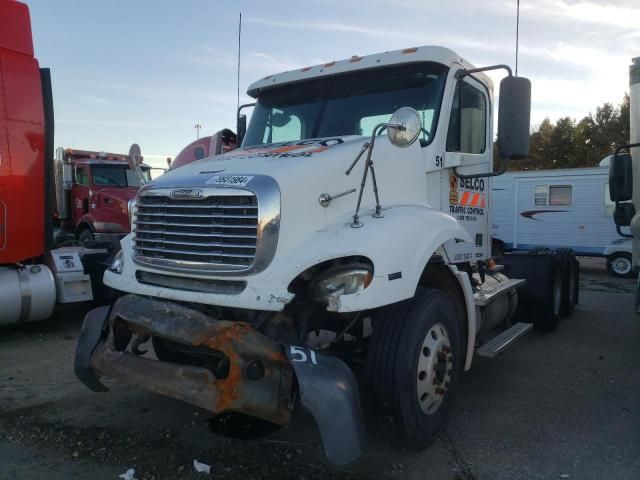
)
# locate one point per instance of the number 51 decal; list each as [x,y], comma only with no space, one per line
[302,355]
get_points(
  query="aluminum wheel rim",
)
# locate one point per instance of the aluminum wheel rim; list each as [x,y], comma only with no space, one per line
[621,266]
[435,365]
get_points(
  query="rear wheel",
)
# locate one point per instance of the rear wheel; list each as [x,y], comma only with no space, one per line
[620,265]
[540,299]
[413,365]
[548,317]
[570,275]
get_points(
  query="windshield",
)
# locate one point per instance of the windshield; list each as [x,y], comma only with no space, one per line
[117,176]
[348,104]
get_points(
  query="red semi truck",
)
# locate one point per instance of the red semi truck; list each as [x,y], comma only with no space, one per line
[94,192]
[220,142]
[34,275]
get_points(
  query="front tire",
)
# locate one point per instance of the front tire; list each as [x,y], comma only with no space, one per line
[620,265]
[85,236]
[413,365]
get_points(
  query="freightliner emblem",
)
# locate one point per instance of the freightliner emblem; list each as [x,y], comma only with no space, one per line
[187,193]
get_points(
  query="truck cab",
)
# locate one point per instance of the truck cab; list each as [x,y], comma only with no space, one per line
[624,176]
[351,226]
[95,196]
[220,142]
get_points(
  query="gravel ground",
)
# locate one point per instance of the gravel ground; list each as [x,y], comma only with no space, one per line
[560,405]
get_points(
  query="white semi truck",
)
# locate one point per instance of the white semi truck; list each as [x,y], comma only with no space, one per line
[624,175]
[351,227]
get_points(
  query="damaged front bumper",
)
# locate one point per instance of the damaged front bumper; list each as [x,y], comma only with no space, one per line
[261,378]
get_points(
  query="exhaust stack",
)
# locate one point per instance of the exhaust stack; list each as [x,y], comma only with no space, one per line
[63,183]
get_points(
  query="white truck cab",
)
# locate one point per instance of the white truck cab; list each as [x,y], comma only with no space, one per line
[624,175]
[352,223]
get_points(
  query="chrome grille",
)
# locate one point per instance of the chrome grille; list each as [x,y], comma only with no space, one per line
[216,232]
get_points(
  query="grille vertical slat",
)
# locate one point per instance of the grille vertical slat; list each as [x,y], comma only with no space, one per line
[216,231]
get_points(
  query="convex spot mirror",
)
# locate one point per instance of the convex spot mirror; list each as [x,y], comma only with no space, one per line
[135,156]
[514,117]
[620,178]
[411,126]
[279,119]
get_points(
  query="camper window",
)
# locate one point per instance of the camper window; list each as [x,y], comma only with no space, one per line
[541,196]
[552,195]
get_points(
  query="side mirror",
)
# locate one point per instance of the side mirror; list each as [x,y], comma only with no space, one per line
[623,214]
[404,127]
[620,178]
[514,117]
[241,129]
[134,160]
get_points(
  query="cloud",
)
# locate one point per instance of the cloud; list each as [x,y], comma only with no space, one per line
[111,123]
[209,56]
[93,99]
[621,15]
[410,37]
[263,61]
[325,27]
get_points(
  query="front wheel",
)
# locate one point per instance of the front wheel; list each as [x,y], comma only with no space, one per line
[413,365]
[85,236]
[620,265]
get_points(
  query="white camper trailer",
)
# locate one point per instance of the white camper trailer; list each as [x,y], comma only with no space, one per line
[559,208]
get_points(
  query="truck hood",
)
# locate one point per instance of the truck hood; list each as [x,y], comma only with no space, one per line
[318,165]
[305,170]
[121,194]
[276,159]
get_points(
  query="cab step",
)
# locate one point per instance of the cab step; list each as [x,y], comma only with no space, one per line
[501,342]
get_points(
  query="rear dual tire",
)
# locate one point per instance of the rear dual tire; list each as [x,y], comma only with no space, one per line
[540,299]
[553,293]
[570,268]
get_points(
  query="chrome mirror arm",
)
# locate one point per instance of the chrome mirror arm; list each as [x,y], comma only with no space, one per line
[368,165]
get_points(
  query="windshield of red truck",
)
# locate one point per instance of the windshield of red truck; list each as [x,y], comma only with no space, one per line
[117,176]
[347,104]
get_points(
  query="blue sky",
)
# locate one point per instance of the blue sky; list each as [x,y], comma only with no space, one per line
[147,71]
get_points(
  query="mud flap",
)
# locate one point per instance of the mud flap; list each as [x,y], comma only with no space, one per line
[329,390]
[93,328]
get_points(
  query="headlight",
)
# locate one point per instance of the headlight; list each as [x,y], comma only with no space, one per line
[118,262]
[334,284]
[131,205]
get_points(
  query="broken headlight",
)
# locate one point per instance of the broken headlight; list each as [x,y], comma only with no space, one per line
[118,262]
[335,283]
[131,205]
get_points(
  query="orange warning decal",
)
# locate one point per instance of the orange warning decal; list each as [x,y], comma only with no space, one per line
[470,199]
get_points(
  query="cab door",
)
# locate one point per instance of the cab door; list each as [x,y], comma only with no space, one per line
[468,151]
[80,193]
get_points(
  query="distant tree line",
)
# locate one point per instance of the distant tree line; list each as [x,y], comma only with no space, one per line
[568,143]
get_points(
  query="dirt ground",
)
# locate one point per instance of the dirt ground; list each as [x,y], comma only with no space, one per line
[559,405]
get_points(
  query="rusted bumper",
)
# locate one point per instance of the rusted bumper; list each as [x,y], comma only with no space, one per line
[264,391]
[257,379]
